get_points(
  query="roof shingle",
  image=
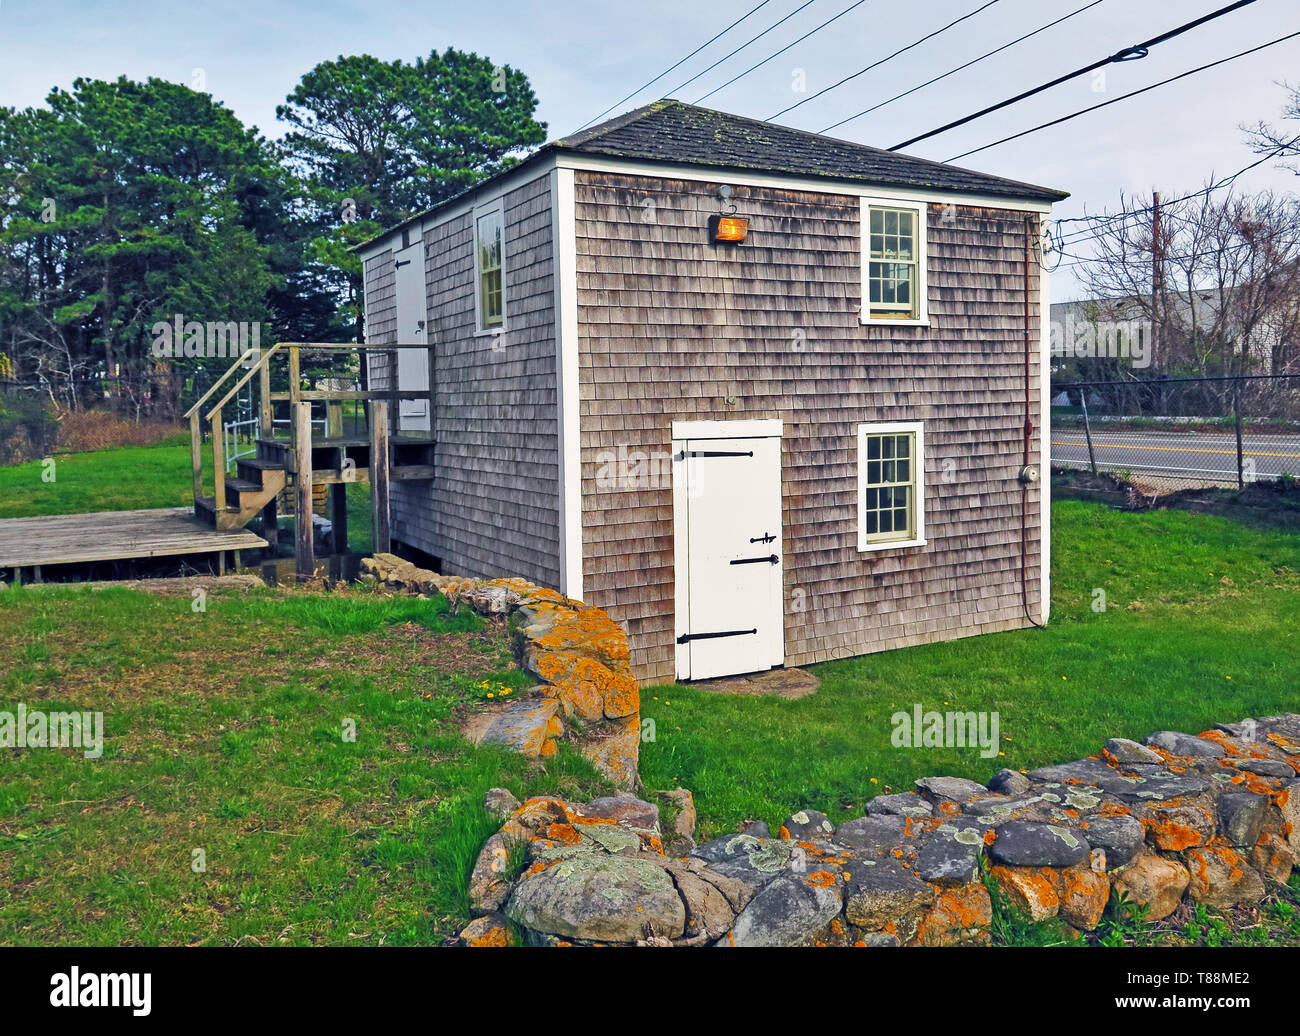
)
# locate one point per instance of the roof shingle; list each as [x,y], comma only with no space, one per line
[672,131]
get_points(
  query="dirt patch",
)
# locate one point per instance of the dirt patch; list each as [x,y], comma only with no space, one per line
[783,683]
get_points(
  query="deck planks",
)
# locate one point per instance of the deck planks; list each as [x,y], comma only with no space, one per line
[64,539]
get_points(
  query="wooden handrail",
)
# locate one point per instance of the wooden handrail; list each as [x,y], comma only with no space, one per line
[217,384]
[248,376]
[295,396]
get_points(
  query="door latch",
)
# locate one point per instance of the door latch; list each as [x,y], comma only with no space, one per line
[767,537]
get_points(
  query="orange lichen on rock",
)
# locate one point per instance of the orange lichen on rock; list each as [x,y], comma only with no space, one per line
[1083,893]
[958,915]
[1029,890]
[820,879]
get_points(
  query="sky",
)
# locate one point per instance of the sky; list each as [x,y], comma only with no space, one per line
[582,56]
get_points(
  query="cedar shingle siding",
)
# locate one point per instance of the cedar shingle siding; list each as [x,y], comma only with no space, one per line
[670,326]
[492,506]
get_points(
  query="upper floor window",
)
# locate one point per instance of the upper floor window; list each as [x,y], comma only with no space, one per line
[891,485]
[490,301]
[893,261]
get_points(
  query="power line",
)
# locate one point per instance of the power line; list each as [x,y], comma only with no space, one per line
[1138,50]
[863,71]
[782,51]
[1099,222]
[741,47]
[1124,97]
[951,71]
[683,61]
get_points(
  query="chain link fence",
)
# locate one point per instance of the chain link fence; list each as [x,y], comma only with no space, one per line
[1167,434]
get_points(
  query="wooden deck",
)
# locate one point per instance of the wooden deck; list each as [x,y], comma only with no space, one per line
[65,539]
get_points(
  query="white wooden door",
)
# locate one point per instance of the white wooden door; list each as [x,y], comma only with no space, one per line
[730,504]
[412,364]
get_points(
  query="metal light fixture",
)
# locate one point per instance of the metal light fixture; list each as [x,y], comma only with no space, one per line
[726,227]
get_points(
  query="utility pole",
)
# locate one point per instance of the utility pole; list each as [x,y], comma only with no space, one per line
[1157,281]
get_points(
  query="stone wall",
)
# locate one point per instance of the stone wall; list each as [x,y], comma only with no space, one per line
[577,653]
[1212,818]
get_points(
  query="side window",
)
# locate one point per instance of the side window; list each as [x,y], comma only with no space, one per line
[893,261]
[489,251]
[891,485]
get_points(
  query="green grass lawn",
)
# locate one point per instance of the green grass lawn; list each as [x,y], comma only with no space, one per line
[225,732]
[126,479]
[1202,625]
[134,478]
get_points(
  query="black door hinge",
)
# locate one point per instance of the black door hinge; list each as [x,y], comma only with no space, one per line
[771,559]
[686,637]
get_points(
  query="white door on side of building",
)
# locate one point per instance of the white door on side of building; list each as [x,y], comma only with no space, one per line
[727,505]
[412,364]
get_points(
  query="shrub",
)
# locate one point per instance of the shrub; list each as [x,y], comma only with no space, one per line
[28,427]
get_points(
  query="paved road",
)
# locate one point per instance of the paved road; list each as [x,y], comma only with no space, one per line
[1209,456]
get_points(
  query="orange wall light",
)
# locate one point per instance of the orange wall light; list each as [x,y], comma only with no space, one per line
[729,230]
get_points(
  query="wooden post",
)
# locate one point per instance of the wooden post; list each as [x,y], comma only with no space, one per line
[304,554]
[271,528]
[196,453]
[218,465]
[379,475]
[339,516]
[334,419]
[295,380]
[266,415]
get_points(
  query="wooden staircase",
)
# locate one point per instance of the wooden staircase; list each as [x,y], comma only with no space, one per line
[303,461]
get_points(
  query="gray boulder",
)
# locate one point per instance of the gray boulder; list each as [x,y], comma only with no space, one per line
[1120,838]
[808,825]
[954,789]
[873,833]
[1185,744]
[1241,817]
[1126,751]
[907,804]
[1009,782]
[598,897]
[877,895]
[1024,843]
[787,912]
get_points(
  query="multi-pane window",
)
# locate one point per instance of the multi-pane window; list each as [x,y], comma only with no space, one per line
[491,294]
[894,256]
[890,485]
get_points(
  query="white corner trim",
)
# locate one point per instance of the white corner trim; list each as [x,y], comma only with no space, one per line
[565,300]
[920,207]
[1045,437]
[742,429]
[916,428]
[681,569]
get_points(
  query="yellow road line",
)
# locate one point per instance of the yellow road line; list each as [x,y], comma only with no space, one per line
[1172,449]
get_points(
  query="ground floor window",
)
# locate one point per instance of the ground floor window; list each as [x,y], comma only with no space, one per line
[891,485]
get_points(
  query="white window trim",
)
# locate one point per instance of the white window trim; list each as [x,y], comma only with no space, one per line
[916,428]
[922,318]
[496,205]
